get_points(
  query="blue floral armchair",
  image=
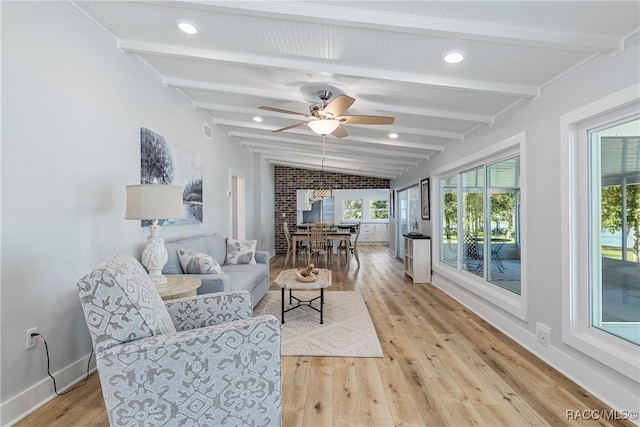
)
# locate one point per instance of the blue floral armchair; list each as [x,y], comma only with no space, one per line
[200,361]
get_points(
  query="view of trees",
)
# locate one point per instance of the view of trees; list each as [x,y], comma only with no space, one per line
[352,209]
[379,209]
[611,215]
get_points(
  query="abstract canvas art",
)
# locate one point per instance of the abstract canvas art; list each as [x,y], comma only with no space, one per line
[164,163]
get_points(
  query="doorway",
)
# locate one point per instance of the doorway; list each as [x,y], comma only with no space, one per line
[237,214]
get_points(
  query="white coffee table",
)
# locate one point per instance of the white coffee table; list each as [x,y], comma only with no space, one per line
[287,279]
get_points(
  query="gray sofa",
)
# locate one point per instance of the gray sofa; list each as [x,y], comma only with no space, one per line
[249,277]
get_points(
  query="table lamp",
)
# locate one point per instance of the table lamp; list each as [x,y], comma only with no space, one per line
[154,202]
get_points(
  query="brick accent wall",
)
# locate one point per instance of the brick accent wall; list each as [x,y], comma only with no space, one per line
[287,180]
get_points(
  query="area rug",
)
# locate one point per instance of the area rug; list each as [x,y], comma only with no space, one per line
[347,330]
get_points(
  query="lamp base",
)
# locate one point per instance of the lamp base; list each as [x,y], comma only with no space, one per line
[154,255]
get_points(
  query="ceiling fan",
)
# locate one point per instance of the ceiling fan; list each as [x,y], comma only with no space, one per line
[328,118]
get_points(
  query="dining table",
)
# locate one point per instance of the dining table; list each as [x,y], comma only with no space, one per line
[299,236]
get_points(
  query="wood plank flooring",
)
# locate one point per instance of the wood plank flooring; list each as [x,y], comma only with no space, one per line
[443,366]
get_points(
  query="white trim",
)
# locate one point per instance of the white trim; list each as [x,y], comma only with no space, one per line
[604,347]
[240,198]
[510,302]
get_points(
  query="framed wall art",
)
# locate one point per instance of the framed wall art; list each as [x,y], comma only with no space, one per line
[425,204]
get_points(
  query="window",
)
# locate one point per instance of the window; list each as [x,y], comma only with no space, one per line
[614,169]
[483,210]
[352,210]
[601,206]
[379,209]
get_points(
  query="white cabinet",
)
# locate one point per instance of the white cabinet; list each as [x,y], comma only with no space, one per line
[303,200]
[374,233]
[417,258]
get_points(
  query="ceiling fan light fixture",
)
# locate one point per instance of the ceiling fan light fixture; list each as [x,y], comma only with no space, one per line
[187,26]
[324,126]
[454,56]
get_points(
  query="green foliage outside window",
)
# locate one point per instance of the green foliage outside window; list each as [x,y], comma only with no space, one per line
[379,209]
[612,217]
[352,209]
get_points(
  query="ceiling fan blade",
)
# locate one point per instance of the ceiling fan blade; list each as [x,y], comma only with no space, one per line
[367,120]
[340,132]
[278,110]
[338,105]
[291,127]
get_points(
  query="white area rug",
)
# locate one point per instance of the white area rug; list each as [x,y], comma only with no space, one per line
[347,330]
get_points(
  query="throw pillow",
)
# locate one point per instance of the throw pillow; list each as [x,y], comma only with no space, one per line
[241,251]
[197,263]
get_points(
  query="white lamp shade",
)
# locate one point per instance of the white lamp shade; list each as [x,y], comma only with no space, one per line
[323,127]
[154,201]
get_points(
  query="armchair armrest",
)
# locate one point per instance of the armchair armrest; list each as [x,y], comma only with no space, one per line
[210,309]
[227,374]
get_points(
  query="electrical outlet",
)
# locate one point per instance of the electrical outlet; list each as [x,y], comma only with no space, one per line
[31,341]
[543,333]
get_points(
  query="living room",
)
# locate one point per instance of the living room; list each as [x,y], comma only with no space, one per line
[73,105]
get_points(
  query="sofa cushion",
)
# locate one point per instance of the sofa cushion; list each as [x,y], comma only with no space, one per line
[197,263]
[121,304]
[216,246]
[246,276]
[173,266]
[241,251]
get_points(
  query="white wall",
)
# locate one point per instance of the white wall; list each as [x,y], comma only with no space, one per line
[540,119]
[72,107]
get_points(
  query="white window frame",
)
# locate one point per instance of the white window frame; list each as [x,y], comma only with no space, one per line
[577,331]
[505,299]
[344,220]
[371,210]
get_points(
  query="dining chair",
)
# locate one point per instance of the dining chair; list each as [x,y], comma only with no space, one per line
[300,247]
[353,244]
[318,244]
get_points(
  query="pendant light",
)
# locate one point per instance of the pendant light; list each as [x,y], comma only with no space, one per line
[322,193]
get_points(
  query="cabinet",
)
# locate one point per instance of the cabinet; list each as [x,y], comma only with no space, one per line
[303,200]
[374,233]
[417,258]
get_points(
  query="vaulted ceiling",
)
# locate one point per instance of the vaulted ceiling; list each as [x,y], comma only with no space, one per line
[387,55]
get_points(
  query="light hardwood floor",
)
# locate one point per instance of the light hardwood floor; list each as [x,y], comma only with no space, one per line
[443,366]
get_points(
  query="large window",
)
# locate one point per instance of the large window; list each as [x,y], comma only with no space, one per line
[614,169]
[480,225]
[600,206]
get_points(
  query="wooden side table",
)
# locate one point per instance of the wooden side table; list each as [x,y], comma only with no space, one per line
[179,286]
[287,280]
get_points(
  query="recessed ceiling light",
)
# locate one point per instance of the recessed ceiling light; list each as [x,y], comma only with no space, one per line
[453,57]
[187,26]
[393,135]
[257,119]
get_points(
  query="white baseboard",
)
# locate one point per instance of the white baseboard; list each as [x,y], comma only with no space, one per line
[604,387]
[36,396]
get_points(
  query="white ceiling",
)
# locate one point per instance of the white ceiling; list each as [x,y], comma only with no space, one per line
[385,54]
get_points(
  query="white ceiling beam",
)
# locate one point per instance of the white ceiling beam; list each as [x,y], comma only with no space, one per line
[265,113]
[286,148]
[391,143]
[344,164]
[356,162]
[310,65]
[348,145]
[284,162]
[295,97]
[421,25]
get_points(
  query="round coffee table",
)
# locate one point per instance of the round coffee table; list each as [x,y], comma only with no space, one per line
[179,286]
[287,279]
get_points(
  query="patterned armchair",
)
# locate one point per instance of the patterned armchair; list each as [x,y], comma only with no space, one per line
[200,361]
